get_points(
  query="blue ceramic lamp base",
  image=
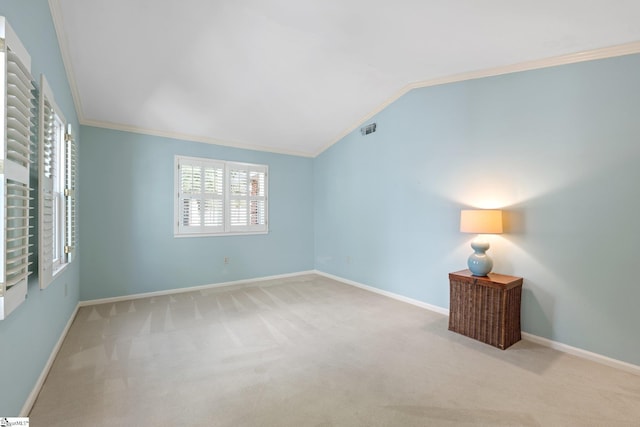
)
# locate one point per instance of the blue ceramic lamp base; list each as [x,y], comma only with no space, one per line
[480,264]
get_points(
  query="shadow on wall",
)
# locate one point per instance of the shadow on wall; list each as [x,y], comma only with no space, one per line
[514,220]
[537,312]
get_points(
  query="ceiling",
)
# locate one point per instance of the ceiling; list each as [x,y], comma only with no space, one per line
[294,76]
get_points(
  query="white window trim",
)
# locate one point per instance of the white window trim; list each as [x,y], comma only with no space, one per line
[226,229]
[58,194]
[65,163]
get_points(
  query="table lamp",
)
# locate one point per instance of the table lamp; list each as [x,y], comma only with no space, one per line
[480,221]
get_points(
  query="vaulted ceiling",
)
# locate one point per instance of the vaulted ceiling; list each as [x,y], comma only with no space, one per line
[293,76]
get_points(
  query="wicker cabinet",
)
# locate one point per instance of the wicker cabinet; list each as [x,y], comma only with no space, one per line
[486,308]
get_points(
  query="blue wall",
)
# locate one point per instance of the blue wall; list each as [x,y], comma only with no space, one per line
[558,148]
[28,335]
[126,226]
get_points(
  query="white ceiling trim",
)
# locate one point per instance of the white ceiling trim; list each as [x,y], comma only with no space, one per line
[56,16]
[58,23]
[192,138]
[572,58]
[602,53]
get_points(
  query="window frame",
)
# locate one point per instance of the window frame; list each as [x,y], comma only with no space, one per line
[57,180]
[59,203]
[227,228]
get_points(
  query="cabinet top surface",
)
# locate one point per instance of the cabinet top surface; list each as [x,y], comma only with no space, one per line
[495,278]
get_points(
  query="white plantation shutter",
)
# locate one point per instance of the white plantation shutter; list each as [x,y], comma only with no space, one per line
[71,174]
[218,197]
[200,207]
[238,206]
[247,197]
[47,160]
[18,106]
[258,198]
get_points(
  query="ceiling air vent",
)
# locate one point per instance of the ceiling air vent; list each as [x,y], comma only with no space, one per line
[370,128]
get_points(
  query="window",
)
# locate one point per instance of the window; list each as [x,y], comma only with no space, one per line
[57,178]
[57,181]
[215,197]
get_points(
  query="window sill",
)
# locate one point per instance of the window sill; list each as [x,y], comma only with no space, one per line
[60,269]
[248,233]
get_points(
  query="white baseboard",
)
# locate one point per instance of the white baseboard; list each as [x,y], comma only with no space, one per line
[398,297]
[31,399]
[584,354]
[618,364]
[190,289]
[26,408]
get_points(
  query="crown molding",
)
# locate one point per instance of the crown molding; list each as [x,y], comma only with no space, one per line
[192,138]
[572,58]
[58,24]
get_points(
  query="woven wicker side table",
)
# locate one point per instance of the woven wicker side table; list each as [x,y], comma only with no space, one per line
[486,308]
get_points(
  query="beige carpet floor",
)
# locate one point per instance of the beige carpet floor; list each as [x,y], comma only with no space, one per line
[309,351]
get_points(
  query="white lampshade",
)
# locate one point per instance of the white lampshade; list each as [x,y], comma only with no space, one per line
[481,221]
